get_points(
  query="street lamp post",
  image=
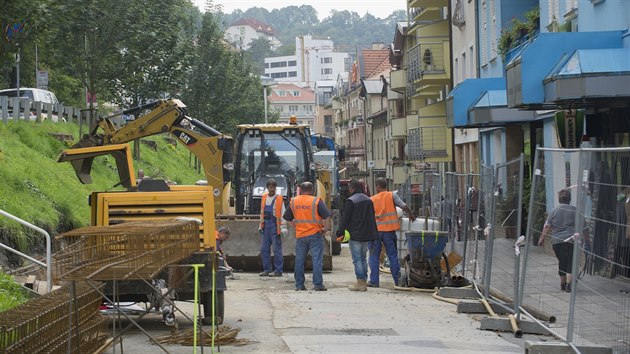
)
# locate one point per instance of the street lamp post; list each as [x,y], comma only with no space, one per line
[266,81]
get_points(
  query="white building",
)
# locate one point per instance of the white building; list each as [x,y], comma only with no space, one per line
[241,33]
[314,60]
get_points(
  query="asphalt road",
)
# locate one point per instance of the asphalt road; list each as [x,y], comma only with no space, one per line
[269,312]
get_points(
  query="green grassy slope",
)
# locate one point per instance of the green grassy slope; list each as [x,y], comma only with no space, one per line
[35,188]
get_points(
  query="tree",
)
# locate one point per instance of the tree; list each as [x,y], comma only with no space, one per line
[260,48]
[223,89]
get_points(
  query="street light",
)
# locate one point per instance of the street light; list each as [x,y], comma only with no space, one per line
[266,81]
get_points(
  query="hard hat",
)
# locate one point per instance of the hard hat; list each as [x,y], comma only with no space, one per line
[293,119]
[346,237]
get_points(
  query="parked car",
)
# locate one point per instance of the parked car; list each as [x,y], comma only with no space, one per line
[33,94]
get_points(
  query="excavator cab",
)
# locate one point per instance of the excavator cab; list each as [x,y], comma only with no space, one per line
[283,152]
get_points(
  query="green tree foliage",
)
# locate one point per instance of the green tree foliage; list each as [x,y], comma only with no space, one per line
[346,28]
[223,90]
[260,49]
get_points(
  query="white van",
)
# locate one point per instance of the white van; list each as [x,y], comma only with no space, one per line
[33,94]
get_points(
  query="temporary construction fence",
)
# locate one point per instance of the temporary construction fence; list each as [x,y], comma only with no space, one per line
[597,309]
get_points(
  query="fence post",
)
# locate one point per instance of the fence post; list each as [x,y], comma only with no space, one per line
[16,109]
[490,239]
[466,221]
[517,261]
[4,102]
[38,111]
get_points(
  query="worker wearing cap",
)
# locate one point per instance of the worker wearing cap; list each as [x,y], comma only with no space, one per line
[311,219]
[271,210]
[387,223]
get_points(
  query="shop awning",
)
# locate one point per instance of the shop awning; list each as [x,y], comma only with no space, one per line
[530,64]
[491,110]
[464,95]
[588,76]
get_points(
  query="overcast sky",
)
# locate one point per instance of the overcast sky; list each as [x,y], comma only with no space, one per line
[377,8]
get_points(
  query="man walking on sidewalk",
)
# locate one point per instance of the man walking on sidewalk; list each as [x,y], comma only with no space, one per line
[385,204]
[358,219]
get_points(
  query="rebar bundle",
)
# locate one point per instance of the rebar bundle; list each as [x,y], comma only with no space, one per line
[46,324]
[127,251]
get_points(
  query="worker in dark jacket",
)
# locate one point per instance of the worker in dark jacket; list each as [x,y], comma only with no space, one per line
[358,219]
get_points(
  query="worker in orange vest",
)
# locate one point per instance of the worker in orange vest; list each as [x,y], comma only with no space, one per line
[387,223]
[271,210]
[311,219]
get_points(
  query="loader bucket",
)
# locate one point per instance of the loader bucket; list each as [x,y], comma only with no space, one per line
[243,246]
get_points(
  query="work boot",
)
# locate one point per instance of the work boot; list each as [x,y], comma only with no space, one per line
[563,286]
[361,285]
[372,285]
[264,274]
[568,287]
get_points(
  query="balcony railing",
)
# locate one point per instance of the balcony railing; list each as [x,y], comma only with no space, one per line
[429,141]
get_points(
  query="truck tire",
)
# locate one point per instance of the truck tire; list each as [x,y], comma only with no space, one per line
[336,248]
[207,308]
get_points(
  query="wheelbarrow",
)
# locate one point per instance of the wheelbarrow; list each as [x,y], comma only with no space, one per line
[421,267]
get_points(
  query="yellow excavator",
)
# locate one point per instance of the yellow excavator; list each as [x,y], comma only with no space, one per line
[280,151]
[155,200]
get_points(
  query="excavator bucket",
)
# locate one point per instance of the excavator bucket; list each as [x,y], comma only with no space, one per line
[243,246]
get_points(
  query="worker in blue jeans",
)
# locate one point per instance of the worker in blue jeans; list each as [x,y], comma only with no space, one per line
[387,223]
[271,210]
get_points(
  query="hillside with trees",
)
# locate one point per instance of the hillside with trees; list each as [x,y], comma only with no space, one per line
[347,29]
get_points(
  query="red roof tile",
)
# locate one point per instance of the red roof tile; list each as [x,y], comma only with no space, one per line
[255,24]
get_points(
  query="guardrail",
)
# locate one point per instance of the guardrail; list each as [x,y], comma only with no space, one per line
[25,109]
[48,264]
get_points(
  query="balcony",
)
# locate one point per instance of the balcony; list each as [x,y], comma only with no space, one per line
[428,141]
[398,80]
[399,126]
[428,64]
[428,3]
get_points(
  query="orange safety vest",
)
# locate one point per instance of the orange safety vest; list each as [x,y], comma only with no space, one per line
[277,211]
[305,216]
[385,210]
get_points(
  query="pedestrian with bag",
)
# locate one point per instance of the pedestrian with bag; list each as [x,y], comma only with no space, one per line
[358,219]
[387,223]
[270,229]
[311,219]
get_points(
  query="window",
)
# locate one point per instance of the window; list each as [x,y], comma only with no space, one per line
[327,71]
[292,73]
[279,109]
[278,75]
[266,65]
[307,108]
[295,93]
[293,109]
[327,120]
[279,64]
[292,63]
[281,93]
[327,60]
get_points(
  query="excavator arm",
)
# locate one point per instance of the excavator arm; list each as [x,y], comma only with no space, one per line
[212,148]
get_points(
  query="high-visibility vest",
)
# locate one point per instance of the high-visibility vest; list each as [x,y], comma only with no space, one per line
[385,210]
[277,210]
[305,216]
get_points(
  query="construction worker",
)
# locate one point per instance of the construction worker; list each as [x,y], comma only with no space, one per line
[271,210]
[221,235]
[311,219]
[358,220]
[385,204]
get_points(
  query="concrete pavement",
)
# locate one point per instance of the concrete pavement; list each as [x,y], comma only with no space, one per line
[280,320]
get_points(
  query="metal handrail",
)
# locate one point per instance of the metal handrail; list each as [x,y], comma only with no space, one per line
[48,264]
